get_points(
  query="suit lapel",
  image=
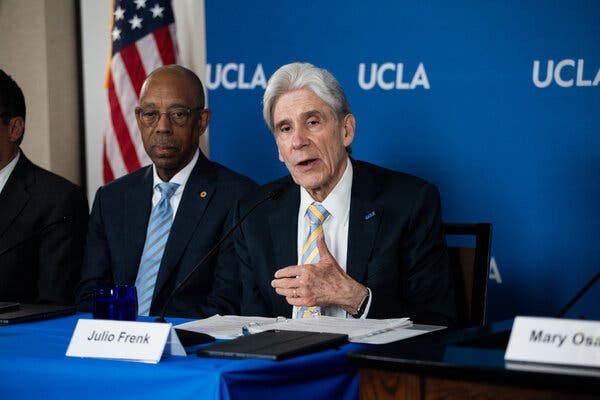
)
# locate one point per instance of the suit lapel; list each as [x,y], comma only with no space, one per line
[138,204]
[198,191]
[15,196]
[364,220]
[283,225]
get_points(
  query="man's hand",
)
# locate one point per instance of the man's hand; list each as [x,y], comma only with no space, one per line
[322,284]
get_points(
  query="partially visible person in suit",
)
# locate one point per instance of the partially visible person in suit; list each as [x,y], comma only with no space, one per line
[152,226]
[43,217]
[343,238]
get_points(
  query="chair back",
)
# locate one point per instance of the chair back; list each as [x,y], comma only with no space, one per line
[469,266]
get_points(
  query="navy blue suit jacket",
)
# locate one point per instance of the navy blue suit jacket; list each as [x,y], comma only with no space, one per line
[117,232]
[396,246]
[43,220]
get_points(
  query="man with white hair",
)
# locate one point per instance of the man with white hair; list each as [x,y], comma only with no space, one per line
[342,238]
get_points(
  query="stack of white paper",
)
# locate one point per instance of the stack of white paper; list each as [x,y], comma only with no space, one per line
[374,331]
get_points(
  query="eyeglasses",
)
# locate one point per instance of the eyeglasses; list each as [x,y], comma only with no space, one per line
[179,116]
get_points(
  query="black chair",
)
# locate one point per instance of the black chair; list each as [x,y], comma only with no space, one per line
[469,266]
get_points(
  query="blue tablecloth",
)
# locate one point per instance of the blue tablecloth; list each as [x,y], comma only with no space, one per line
[33,365]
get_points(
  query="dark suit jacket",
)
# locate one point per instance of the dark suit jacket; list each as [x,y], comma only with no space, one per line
[117,232]
[396,246]
[43,220]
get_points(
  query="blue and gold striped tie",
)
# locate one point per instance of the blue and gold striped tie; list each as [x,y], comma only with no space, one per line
[310,253]
[159,226]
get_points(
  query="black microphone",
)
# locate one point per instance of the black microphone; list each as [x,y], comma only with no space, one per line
[36,233]
[574,300]
[271,196]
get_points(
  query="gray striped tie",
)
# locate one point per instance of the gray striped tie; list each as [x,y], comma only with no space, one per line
[159,225]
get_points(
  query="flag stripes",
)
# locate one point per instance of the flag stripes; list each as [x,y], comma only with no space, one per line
[143,39]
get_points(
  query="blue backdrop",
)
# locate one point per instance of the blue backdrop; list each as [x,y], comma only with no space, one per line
[497,103]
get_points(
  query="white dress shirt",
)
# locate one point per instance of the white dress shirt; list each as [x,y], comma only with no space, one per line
[7,170]
[335,229]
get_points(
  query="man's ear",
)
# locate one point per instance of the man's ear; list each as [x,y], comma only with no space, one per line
[16,127]
[348,128]
[204,119]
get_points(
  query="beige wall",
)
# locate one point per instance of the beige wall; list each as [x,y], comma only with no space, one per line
[38,48]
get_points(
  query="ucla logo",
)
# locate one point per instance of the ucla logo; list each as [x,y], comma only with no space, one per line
[565,73]
[388,76]
[233,76]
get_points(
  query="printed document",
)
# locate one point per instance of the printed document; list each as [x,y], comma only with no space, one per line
[373,331]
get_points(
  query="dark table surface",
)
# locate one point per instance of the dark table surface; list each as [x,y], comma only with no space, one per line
[475,354]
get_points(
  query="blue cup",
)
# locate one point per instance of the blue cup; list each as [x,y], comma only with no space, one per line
[116,302]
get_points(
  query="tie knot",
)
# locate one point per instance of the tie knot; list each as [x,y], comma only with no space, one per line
[316,213]
[167,189]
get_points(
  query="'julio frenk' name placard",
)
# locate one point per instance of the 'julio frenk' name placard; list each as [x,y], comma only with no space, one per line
[555,341]
[123,340]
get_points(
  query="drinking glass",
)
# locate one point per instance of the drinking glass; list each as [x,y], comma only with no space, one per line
[118,302]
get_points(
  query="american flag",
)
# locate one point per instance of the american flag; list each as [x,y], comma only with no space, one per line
[143,38]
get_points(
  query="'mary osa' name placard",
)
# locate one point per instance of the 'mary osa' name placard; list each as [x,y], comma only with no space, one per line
[555,341]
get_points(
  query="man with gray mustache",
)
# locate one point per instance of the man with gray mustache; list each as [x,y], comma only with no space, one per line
[151,227]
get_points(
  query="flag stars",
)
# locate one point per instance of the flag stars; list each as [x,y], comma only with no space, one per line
[136,22]
[140,4]
[116,34]
[119,14]
[157,11]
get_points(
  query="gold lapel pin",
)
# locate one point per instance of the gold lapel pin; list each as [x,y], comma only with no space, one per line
[203,194]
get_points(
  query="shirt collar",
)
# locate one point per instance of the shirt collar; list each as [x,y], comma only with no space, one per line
[8,169]
[180,177]
[337,203]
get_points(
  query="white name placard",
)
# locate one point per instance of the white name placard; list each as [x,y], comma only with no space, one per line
[124,340]
[554,341]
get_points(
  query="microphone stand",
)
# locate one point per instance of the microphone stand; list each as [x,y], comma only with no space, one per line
[196,337]
[574,300]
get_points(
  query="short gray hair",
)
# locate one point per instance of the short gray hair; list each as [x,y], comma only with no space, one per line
[296,76]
